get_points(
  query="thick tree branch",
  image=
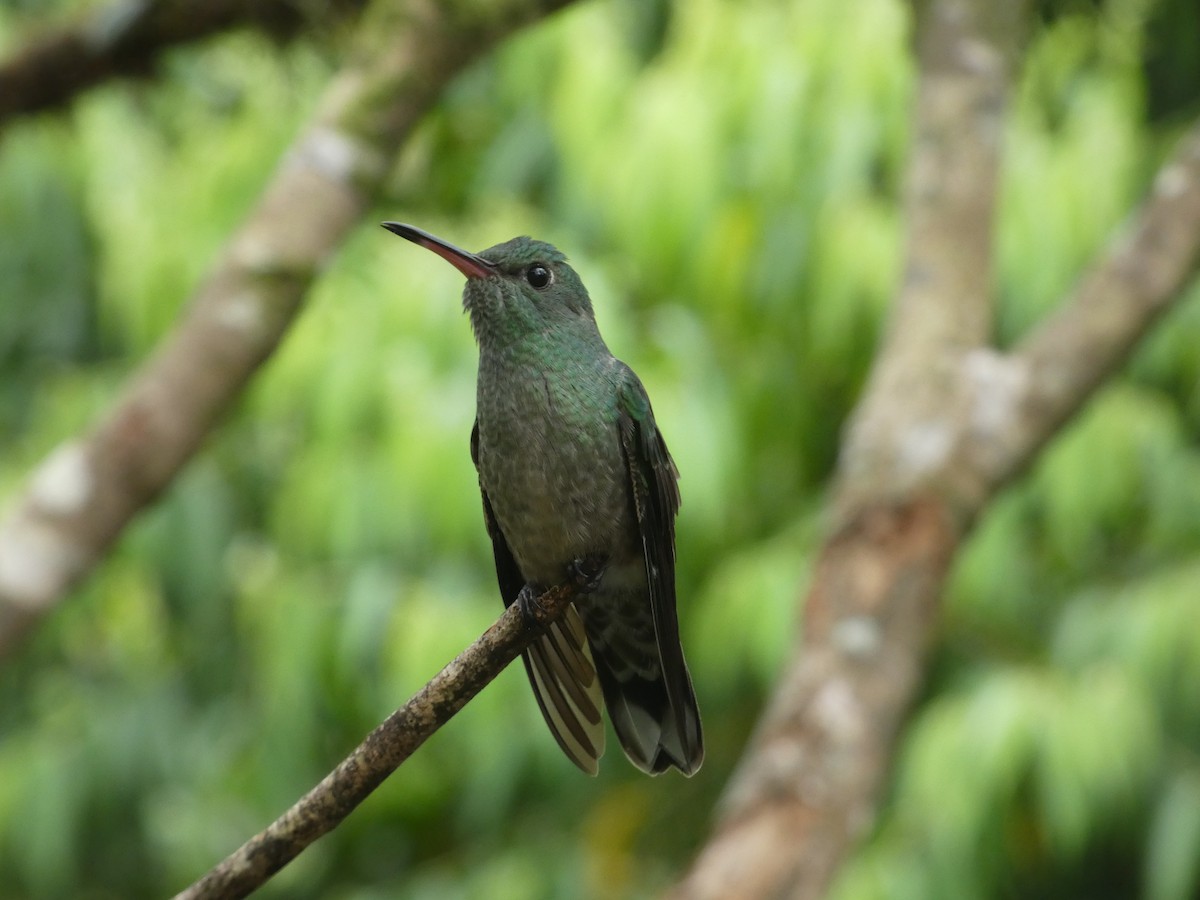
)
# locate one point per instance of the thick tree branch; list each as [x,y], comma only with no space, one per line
[128,39]
[323,808]
[1058,366]
[78,501]
[903,428]
[807,787]
[945,423]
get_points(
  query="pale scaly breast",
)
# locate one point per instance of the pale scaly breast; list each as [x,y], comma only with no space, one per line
[551,464]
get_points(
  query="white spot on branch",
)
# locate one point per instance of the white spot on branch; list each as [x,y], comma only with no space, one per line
[1172,181]
[335,155]
[36,560]
[782,761]
[857,636]
[996,383]
[240,312]
[924,447]
[837,711]
[979,57]
[329,152]
[254,252]
[62,484]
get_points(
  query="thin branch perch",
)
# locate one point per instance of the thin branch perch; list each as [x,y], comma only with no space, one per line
[383,750]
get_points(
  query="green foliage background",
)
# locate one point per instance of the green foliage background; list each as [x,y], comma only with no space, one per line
[726,175]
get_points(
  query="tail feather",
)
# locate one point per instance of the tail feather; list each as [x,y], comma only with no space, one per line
[657,725]
[646,685]
[564,682]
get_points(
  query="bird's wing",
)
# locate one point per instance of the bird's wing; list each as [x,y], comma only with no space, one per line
[653,481]
[559,663]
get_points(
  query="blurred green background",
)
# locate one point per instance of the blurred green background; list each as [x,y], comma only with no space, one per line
[726,176]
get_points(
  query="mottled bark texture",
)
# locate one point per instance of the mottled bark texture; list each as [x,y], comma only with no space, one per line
[81,497]
[946,421]
[127,40]
[385,748]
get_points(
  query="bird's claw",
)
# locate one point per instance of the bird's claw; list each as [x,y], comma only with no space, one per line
[587,572]
[528,606]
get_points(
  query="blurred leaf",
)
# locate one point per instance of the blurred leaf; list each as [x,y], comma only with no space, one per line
[1173,842]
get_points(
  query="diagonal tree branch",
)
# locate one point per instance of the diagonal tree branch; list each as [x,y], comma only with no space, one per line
[79,499]
[806,788]
[945,422]
[381,752]
[902,429]
[127,39]
[911,483]
[1061,363]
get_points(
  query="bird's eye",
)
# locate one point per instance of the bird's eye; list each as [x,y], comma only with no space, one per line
[539,276]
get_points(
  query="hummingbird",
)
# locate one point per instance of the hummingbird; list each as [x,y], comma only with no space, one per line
[577,485]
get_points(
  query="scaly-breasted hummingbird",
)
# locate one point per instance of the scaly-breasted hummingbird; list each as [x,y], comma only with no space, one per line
[577,484]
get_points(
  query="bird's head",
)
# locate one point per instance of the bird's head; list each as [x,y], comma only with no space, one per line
[519,288]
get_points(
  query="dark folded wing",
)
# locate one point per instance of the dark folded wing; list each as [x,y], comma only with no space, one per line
[654,485]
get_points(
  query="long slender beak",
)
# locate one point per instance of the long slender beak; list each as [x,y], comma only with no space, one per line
[468,263]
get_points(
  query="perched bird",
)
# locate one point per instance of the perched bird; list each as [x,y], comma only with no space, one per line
[577,485]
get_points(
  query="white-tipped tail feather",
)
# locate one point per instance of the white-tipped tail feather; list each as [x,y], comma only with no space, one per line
[567,690]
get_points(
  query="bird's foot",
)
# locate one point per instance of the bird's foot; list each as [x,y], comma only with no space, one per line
[587,572]
[527,604]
